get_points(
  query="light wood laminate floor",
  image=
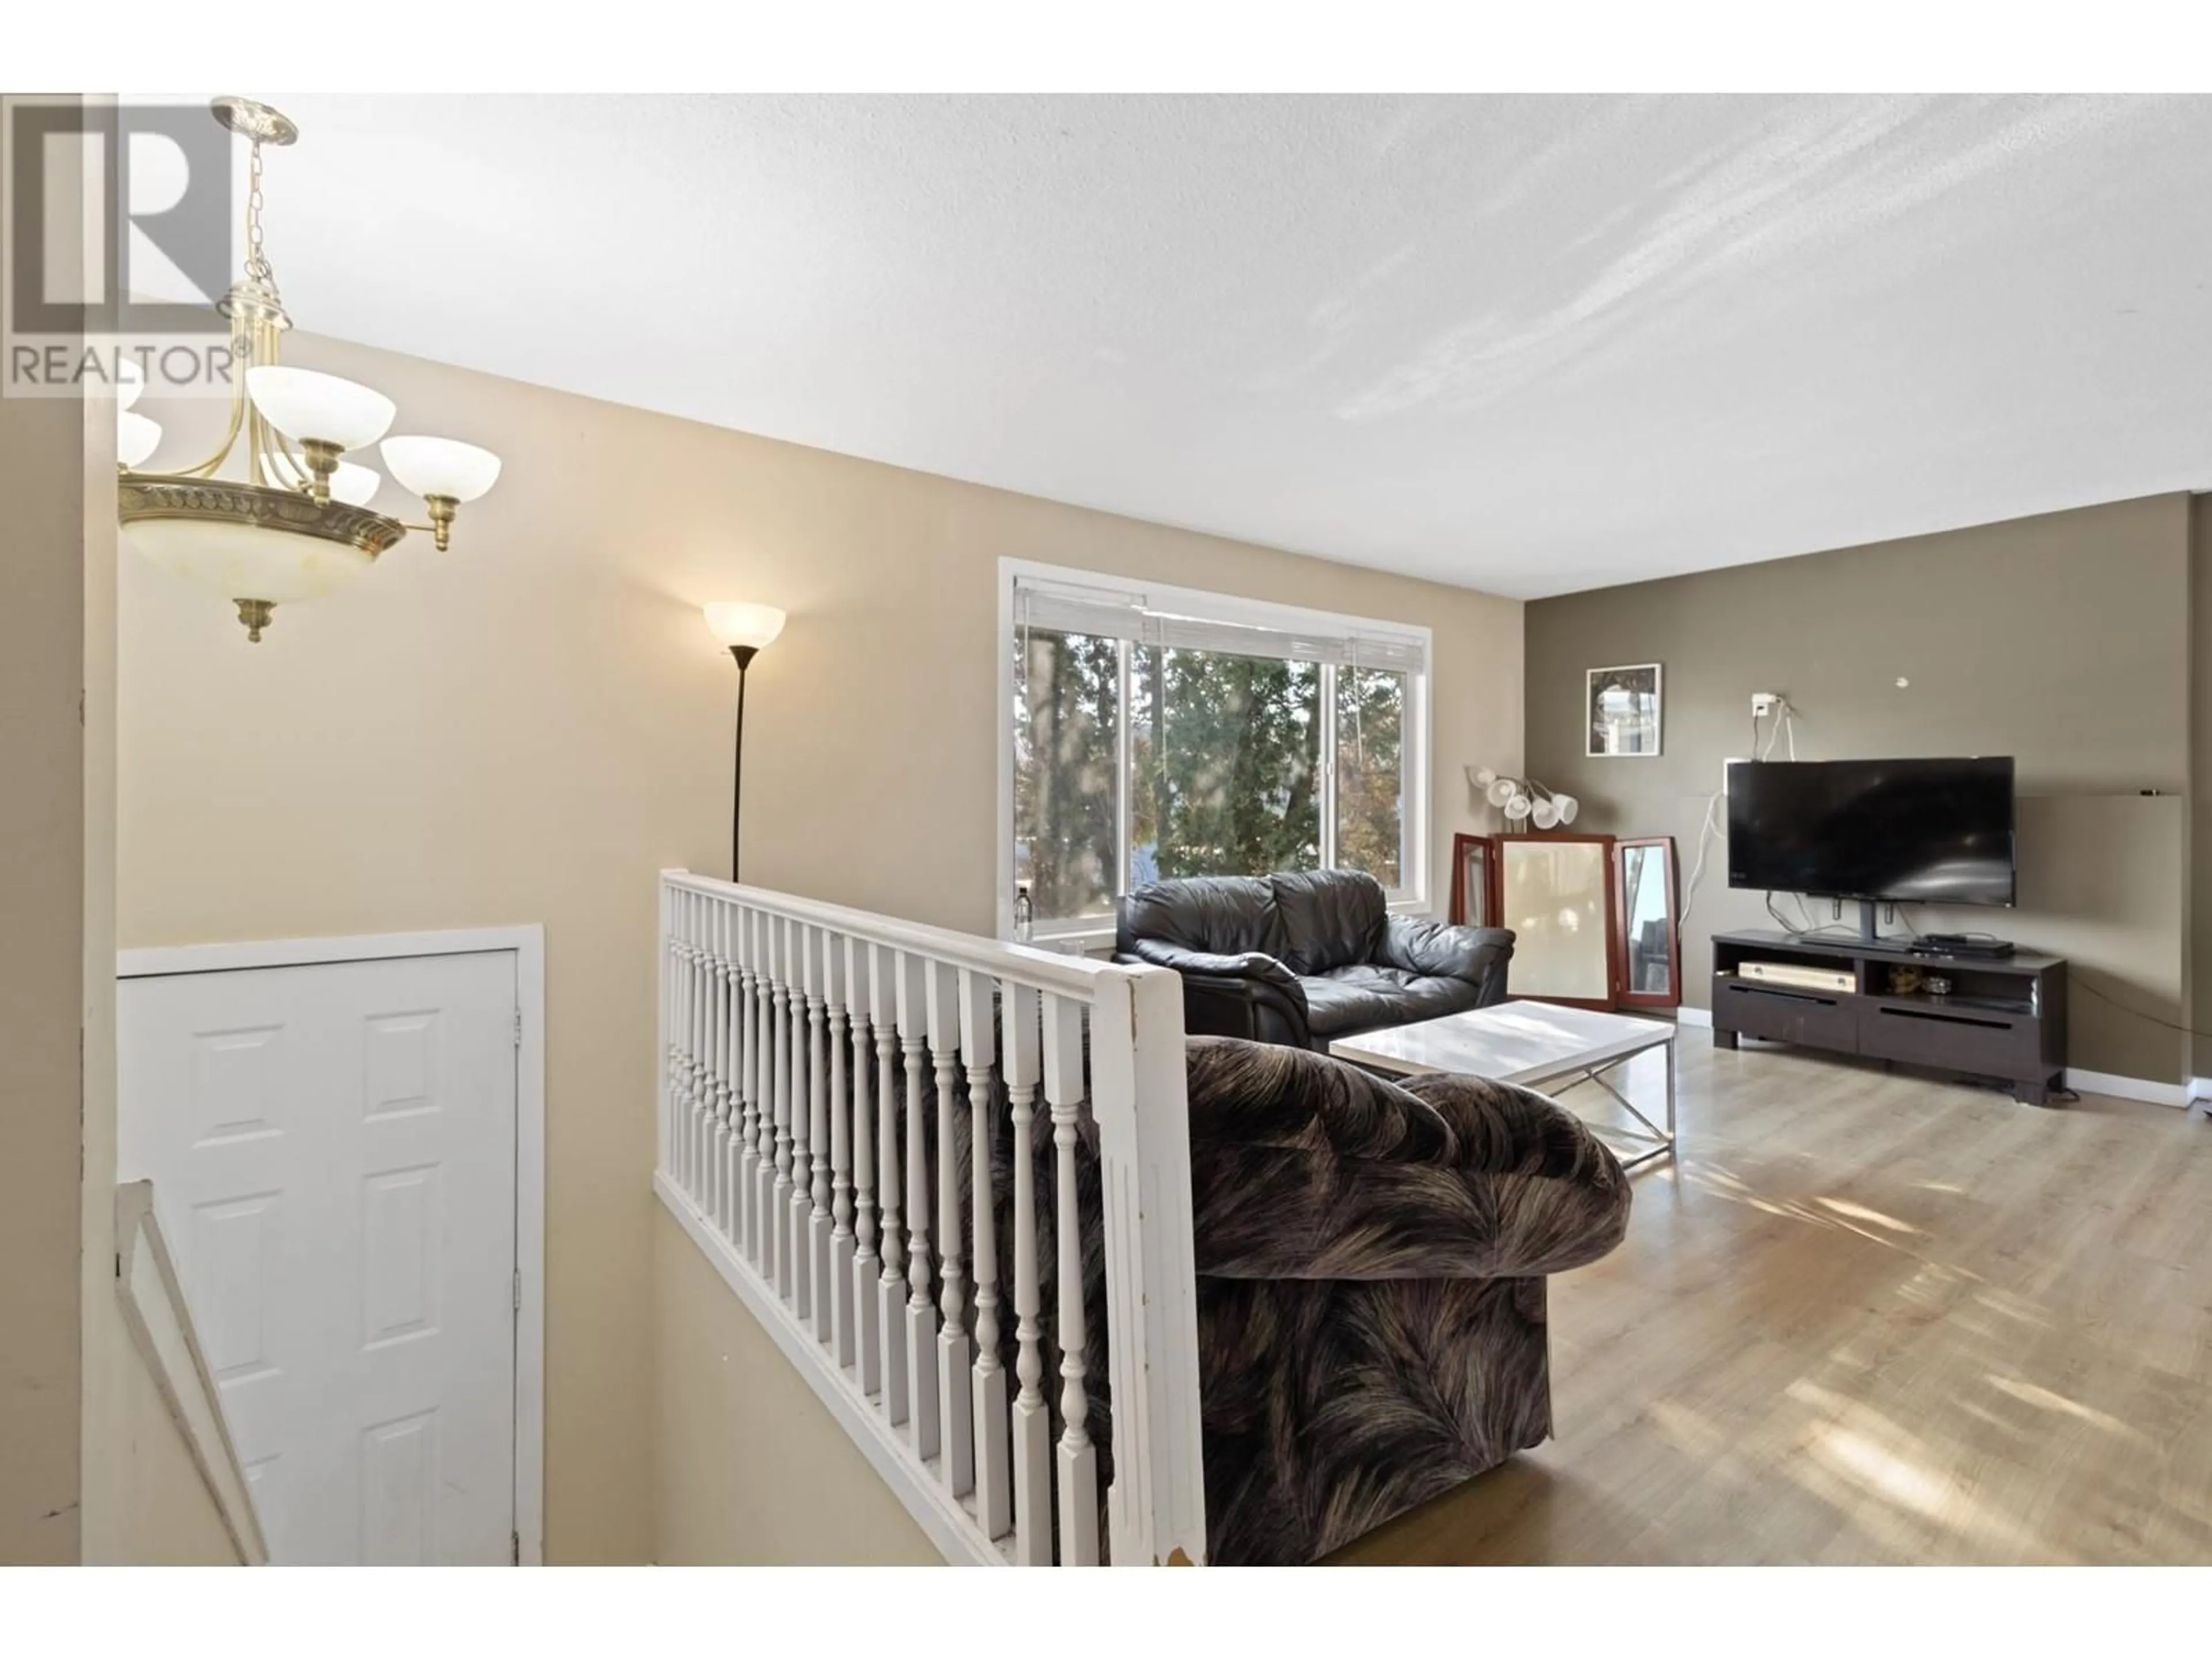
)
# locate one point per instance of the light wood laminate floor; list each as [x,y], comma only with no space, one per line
[1873,1318]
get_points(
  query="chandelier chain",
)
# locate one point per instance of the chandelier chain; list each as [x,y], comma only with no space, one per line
[257,261]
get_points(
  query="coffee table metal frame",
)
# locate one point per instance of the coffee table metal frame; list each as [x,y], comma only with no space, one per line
[1656,1140]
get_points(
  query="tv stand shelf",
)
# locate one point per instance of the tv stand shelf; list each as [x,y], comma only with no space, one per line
[2005,1017]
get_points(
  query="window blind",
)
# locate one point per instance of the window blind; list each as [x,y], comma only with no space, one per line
[1122,613]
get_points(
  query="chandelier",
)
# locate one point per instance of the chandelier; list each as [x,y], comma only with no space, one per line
[297,524]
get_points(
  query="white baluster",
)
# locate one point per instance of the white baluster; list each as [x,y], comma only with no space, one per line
[733,1171]
[890,1279]
[695,1045]
[702,1049]
[1032,1414]
[764,1075]
[744,1165]
[860,1296]
[979,1052]
[718,1108]
[819,1225]
[785,1270]
[679,1027]
[804,1001]
[739,1102]
[953,1377]
[718,1178]
[837,1266]
[920,1313]
[1078,1458]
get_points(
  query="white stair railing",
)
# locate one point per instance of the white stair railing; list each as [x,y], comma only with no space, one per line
[836,1090]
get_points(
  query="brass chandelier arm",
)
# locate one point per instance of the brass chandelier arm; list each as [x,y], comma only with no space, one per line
[278,464]
[253,335]
[206,469]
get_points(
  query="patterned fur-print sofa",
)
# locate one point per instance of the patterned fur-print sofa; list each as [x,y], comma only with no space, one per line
[1371,1259]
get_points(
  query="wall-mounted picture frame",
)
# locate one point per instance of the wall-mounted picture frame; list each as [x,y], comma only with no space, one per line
[1622,711]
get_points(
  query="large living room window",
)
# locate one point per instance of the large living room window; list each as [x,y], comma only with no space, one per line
[1155,731]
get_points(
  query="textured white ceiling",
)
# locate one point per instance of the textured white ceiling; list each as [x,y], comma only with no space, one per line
[1526,345]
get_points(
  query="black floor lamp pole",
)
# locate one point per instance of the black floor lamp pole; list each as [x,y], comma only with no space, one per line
[744,654]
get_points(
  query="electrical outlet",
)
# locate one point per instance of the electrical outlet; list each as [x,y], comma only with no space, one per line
[1763,704]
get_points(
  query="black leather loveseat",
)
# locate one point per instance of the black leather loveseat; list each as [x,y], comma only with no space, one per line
[1305,958]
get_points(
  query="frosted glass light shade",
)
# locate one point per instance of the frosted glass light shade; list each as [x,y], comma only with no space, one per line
[1568,806]
[355,484]
[1544,815]
[243,562]
[1519,808]
[303,404]
[736,625]
[135,436]
[442,466]
[1500,791]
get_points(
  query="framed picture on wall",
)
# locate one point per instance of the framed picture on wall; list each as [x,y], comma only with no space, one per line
[1623,709]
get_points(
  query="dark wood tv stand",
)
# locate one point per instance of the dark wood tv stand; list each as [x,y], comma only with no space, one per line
[2004,1018]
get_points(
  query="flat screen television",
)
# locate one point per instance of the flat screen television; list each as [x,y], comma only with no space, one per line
[1914,831]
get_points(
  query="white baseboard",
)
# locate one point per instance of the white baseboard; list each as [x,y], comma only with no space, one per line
[2200,1088]
[1686,1015]
[2132,1088]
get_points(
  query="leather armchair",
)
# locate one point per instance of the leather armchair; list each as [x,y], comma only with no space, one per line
[1303,959]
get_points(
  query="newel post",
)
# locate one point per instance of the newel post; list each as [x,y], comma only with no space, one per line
[1155,1512]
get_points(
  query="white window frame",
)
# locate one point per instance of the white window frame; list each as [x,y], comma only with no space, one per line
[1413,898]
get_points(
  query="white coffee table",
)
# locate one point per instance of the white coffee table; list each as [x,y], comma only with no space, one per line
[1533,1044]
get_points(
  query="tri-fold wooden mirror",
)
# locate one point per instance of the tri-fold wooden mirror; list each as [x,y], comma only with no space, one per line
[1595,917]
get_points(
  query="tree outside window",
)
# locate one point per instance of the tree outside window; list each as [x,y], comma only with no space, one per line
[1223,772]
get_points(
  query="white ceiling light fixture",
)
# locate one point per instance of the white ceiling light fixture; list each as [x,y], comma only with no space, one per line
[297,524]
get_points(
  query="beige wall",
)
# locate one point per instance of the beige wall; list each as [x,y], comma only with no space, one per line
[802,1495]
[91,1466]
[2062,639]
[145,1501]
[528,727]
[42,976]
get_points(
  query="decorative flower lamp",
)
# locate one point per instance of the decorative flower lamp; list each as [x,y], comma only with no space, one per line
[1524,801]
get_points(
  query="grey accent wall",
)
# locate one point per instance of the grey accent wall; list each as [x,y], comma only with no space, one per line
[2065,640]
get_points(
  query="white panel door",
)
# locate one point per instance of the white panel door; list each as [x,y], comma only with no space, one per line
[332,1149]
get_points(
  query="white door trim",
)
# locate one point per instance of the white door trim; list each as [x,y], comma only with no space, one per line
[528,943]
